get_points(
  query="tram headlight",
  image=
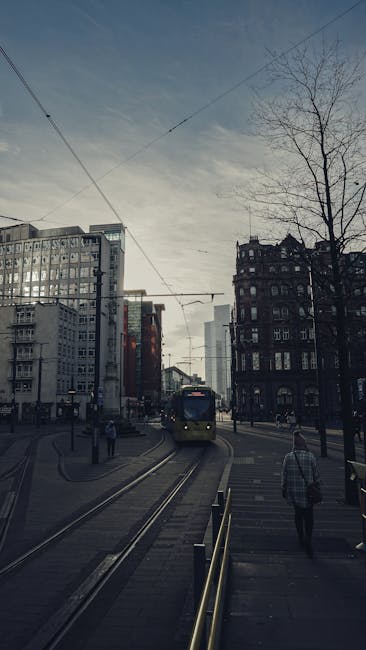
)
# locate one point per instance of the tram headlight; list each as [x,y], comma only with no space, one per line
[185,427]
[208,426]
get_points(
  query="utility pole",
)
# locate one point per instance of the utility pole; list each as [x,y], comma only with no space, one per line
[72,393]
[13,380]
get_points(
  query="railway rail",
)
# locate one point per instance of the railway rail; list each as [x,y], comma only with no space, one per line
[82,558]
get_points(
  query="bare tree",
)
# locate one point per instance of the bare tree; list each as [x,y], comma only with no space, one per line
[318,188]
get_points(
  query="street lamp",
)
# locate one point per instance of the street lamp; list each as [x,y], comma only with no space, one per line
[72,393]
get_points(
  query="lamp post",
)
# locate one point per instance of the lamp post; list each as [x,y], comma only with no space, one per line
[72,393]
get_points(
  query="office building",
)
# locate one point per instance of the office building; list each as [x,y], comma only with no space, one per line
[84,272]
[143,341]
[218,354]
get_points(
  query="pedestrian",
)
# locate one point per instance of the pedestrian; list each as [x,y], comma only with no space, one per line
[146,420]
[278,420]
[356,425]
[291,421]
[111,435]
[300,469]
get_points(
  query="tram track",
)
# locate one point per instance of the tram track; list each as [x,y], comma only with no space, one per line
[77,521]
[88,556]
[64,619]
[21,468]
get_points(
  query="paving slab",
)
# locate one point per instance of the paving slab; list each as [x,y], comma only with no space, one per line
[278,598]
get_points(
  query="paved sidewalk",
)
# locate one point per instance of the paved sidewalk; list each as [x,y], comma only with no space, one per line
[278,598]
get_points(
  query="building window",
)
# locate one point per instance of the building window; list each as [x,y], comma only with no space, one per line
[286,361]
[251,269]
[277,334]
[311,396]
[253,291]
[274,290]
[284,312]
[255,336]
[284,397]
[284,290]
[251,254]
[242,313]
[308,360]
[253,313]
[242,359]
[241,291]
[276,314]
[282,361]
[285,333]
[255,361]
[300,289]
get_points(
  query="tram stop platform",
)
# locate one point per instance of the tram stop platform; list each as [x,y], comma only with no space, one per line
[278,598]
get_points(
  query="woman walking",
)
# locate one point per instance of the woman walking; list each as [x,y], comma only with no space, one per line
[298,471]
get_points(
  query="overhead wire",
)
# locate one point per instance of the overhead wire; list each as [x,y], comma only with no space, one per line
[94,182]
[214,100]
[210,103]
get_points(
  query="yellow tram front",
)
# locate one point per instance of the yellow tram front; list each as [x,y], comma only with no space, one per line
[193,414]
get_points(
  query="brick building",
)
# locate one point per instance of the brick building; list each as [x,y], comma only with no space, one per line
[283,330]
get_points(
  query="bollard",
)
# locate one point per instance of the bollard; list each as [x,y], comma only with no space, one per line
[216,521]
[199,572]
[221,500]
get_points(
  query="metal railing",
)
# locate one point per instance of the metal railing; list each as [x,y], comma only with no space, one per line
[207,625]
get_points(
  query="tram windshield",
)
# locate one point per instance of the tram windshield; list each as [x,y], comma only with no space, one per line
[197,407]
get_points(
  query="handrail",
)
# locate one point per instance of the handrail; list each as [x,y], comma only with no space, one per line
[199,623]
[215,623]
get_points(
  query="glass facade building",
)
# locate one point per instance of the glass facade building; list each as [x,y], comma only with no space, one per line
[63,265]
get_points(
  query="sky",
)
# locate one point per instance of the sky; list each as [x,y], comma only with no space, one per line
[115,76]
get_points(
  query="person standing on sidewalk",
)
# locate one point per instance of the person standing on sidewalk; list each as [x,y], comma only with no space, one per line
[294,487]
[111,435]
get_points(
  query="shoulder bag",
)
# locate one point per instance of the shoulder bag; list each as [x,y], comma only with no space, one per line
[313,491]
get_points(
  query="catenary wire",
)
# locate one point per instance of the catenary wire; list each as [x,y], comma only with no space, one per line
[189,117]
[210,103]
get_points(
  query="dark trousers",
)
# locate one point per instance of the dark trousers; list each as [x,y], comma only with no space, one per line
[304,522]
[111,443]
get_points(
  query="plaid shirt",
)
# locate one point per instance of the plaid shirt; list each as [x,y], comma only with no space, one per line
[292,482]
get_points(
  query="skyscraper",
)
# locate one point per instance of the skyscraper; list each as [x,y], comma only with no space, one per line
[217,353]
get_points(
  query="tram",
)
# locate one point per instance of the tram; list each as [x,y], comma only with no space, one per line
[190,414]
